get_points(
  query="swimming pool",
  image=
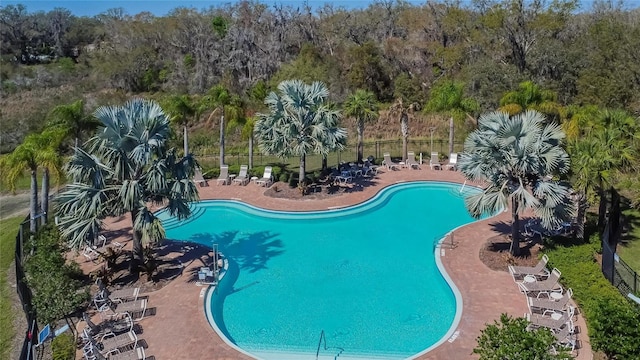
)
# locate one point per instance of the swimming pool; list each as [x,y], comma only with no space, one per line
[365,276]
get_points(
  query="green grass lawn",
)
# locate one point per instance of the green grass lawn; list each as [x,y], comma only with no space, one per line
[8,231]
[629,248]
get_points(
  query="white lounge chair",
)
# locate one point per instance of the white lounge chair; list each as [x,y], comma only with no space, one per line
[434,162]
[542,305]
[411,160]
[540,270]
[242,178]
[453,162]
[266,177]
[198,178]
[224,175]
[546,286]
[388,163]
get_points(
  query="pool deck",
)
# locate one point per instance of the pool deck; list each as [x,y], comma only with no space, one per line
[179,330]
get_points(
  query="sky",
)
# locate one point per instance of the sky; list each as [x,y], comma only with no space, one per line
[162,7]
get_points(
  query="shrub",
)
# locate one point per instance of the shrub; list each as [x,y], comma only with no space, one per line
[510,339]
[63,347]
[615,329]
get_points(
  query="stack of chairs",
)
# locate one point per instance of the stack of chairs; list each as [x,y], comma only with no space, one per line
[550,305]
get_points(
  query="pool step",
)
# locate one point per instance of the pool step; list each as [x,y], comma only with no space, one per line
[173,222]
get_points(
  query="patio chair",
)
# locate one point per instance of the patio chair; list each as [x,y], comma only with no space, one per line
[555,321]
[199,179]
[369,170]
[542,305]
[519,272]
[92,252]
[434,162]
[266,177]
[411,160]
[122,325]
[390,165]
[530,285]
[224,175]
[118,295]
[453,162]
[111,310]
[242,178]
[111,343]
[135,354]
[566,338]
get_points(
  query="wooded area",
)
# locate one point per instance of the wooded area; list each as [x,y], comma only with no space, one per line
[392,48]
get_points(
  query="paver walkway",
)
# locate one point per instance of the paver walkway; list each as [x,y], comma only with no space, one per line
[179,329]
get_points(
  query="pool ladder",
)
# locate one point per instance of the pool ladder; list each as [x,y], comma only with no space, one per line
[320,342]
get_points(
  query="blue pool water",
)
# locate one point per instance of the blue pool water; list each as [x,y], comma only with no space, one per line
[365,275]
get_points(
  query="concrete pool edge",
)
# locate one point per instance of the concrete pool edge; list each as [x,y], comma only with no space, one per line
[450,335]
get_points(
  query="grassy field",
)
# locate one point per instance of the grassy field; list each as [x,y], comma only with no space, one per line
[629,248]
[8,230]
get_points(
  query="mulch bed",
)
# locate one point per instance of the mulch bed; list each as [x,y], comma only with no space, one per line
[495,253]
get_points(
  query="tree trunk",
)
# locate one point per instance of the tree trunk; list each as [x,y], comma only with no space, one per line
[324,163]
[185,141]
[221,140]
[450,136]
[45,195]
[33,202]
[137,254]
[360,140]
[303,160]
[515,228]
[581,214]
[250,152]
[602,209]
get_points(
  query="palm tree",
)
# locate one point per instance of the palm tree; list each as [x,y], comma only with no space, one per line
[37,150]
[398,109]
[448,98]
[126,169]
[180,110]
[73,119]
[519,157]
[299,123]
[363,106]
[224,103]
[530,96]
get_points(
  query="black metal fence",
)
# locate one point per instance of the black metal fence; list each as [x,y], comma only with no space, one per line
[211,156]
[619,273]
[24,292]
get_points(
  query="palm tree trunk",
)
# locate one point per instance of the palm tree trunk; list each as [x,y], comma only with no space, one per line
[581,214]
[45,195]
[602,209]
[360,139]
[303,160]
[185,141]
[450,135]
[324,163]
[515,229]
[137,255]
[250,152]
[221,140]
[33,202]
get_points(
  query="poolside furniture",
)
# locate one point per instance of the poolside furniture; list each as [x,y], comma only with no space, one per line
[199,179]
[118,295]
[434,162]
[529,285]
[369,169]
[555,302]
[344,178]
[388,163]
[135,354]
[411,160]
[224,175]
[554,320]
[117,326]
[111,343]
[519,272]
[92,252]
[266,177]
[242,178]
[111,310]
[453,162]
[566,338]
